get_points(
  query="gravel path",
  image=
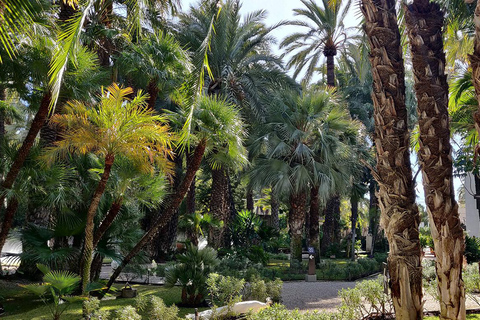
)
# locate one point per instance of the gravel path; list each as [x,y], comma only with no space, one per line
[320,295]
[323,296]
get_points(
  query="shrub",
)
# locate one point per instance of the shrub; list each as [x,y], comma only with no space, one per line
[472,249]
[225,289]
[127,313]
[277,312]
[258,290]
[367,297]
[191,271]
[90,307]
[159,311]
[274,290]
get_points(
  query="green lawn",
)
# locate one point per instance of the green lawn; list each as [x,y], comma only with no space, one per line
[469,317]
[22,305]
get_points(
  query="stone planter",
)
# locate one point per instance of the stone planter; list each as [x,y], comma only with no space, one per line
[129,292]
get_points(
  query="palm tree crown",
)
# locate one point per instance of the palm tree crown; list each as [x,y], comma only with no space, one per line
[325,35]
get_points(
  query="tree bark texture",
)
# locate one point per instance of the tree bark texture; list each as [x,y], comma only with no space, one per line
[219,205]
[330,70]
[296,221]
[314,229]
[396,195]
[89,226]
[22,154]
[475,64]
[424,22]
[353,219]
[330,221]
[173,202]
[107,221]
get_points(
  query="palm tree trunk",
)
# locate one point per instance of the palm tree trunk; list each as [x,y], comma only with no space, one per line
[152,90]
[329,223]
[424,22]
[7,221]
[275,211]
[173,202]
[22,154]
[107,221]
[373,212]
[354,217]
[396,194]
[89,226]
[3,96]
[250,203]
[314,230]
[218,205]
[191,203]
[296,220]
[475,64]
[330,70]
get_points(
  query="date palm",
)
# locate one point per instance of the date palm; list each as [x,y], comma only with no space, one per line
[424,22]
[396,195]
[117,126]
[324,34]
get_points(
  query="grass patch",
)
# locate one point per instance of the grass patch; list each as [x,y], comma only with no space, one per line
[469,317]
[21,305]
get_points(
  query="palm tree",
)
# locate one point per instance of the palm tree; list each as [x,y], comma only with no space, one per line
[475,64]
[82,74]
[424,22]
[213,122]
[400,216]
[325,35]
[298,127]
[117,126]
[157,64]
[242,70]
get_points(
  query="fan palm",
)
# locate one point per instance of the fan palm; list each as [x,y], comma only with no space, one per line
[299,144]
[117,126]
[325,34]
[214,122]
[79,80]
[157,64]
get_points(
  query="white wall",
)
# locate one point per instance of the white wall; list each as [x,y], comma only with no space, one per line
[472,221]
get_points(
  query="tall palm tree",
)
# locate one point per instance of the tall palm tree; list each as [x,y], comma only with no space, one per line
[117,126]
[396,194]
[325,34]
[475,64]
[424,22]
[242,70]
[214,122]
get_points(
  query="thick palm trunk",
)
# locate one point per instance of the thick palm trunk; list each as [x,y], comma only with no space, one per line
[314,229]
[475,64]
[219,206]
[296,220]
[107,221]
[353,219]
[89,226]
[424,24]
[330,69]
[396,194]
[374,212]
[329,224]
[22,154]
[173,202]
